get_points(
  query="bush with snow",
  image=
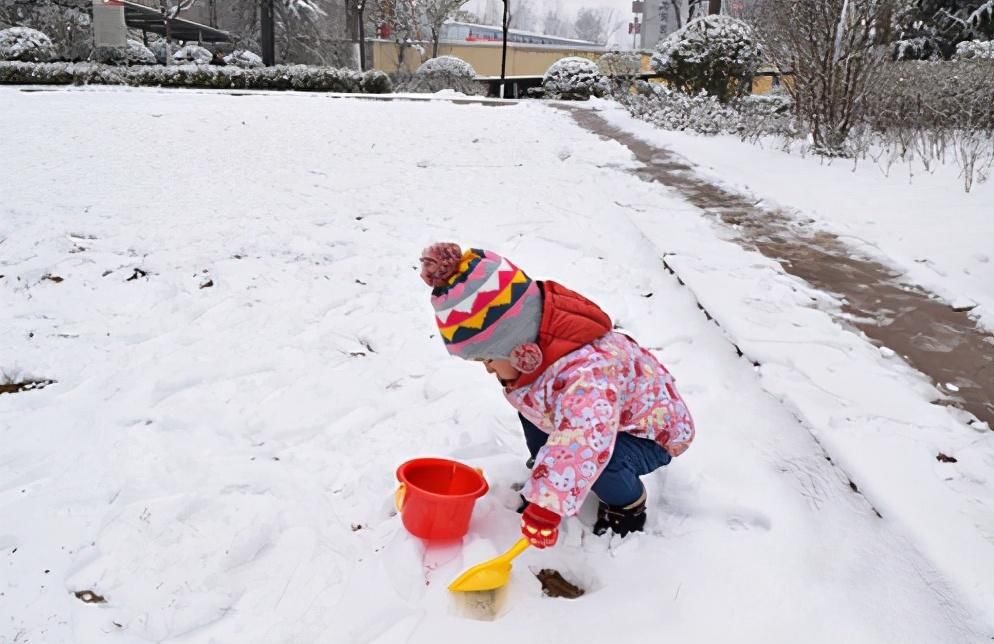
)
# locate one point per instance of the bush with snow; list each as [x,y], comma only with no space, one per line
[715,54]
[975,50]
[574,79]
[25,45]
[134,53]
[375,81]
[244,58]
[279,77]
[158,49]
[193,55]
[620,63]
[748,117]
[444,72]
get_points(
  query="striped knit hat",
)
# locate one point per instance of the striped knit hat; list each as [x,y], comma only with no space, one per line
[485,306]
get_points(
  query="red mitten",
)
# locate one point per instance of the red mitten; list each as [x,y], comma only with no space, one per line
[540,526]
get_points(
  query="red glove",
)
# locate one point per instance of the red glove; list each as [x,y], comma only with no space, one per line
[540,526]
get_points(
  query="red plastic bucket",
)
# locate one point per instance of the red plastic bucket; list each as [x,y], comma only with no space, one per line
[436,497]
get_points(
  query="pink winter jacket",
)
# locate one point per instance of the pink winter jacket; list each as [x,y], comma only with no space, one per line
[582,401]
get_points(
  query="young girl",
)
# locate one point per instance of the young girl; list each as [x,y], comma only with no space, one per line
[598,410]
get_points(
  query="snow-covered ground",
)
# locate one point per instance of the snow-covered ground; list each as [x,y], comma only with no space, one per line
[920,221]
[216,457]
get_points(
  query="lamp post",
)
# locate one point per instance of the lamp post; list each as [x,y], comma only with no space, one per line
[268,34]
[503,55]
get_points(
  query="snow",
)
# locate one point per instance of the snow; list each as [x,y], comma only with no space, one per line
[975,49]
[192,54]
[244,58]
[899,217]
[217,461]
[22,43]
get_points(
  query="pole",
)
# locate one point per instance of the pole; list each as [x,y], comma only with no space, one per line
[503,54]
[362,36]
[169,32]
[268,34]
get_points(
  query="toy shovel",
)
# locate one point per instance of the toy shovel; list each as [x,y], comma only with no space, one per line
[489,575]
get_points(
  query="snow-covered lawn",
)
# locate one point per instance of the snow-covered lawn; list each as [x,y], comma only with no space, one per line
[243,354]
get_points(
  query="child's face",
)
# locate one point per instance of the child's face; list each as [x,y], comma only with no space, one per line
[502,369]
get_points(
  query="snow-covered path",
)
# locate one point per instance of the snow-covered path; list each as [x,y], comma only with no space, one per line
[216,457]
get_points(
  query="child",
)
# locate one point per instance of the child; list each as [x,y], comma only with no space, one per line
[598,411]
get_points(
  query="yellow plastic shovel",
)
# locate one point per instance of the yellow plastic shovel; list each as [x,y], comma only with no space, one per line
[489,575]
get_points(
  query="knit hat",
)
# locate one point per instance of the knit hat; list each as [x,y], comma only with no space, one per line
[485,306]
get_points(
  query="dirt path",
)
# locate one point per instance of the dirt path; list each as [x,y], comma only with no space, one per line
[942,343]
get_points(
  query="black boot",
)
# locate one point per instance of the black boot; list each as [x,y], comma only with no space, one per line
[621,519]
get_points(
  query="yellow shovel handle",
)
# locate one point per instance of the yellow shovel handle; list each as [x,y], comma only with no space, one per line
[398,497]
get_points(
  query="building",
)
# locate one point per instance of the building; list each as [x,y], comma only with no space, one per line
[660,19]
[453,32]
[528,53]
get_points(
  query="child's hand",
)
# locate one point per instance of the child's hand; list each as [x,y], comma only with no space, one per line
[540,526]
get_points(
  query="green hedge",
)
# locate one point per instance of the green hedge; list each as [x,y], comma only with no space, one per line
[280,77]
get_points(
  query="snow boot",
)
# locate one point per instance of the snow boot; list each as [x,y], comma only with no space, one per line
[621,519]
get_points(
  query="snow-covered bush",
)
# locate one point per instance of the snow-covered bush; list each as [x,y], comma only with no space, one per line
[975,50]
[280,77]
[67,23]
[574,79]
[620,63]
[933,95]
[158,49]
[749,117]
[375,81]
[716,54]
[26,45]
[192,55]
[134,53]
[244,58]
[444,72]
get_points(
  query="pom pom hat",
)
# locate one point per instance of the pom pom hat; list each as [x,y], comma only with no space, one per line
[485,306]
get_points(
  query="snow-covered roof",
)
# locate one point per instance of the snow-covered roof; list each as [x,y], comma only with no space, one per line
[520,32]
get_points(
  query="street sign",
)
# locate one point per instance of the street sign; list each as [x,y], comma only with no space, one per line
[638,6]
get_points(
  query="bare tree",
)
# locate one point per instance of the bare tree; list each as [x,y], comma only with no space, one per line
[556,23]
[404,19]
[464,15]
[522,16]
[66,22]
[493,13]
[436,13]
[595,25]
[834,52]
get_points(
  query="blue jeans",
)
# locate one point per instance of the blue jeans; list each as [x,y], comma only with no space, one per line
[619,482]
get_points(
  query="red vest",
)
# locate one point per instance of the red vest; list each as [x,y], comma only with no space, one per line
[569,321]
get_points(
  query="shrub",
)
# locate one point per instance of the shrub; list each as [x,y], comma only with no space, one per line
[975,50]
[280,77]
[134,53]
[574,79]
[715,54]
[376,82]
[444,72]
[25,45]
[244,58]
[193,54]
